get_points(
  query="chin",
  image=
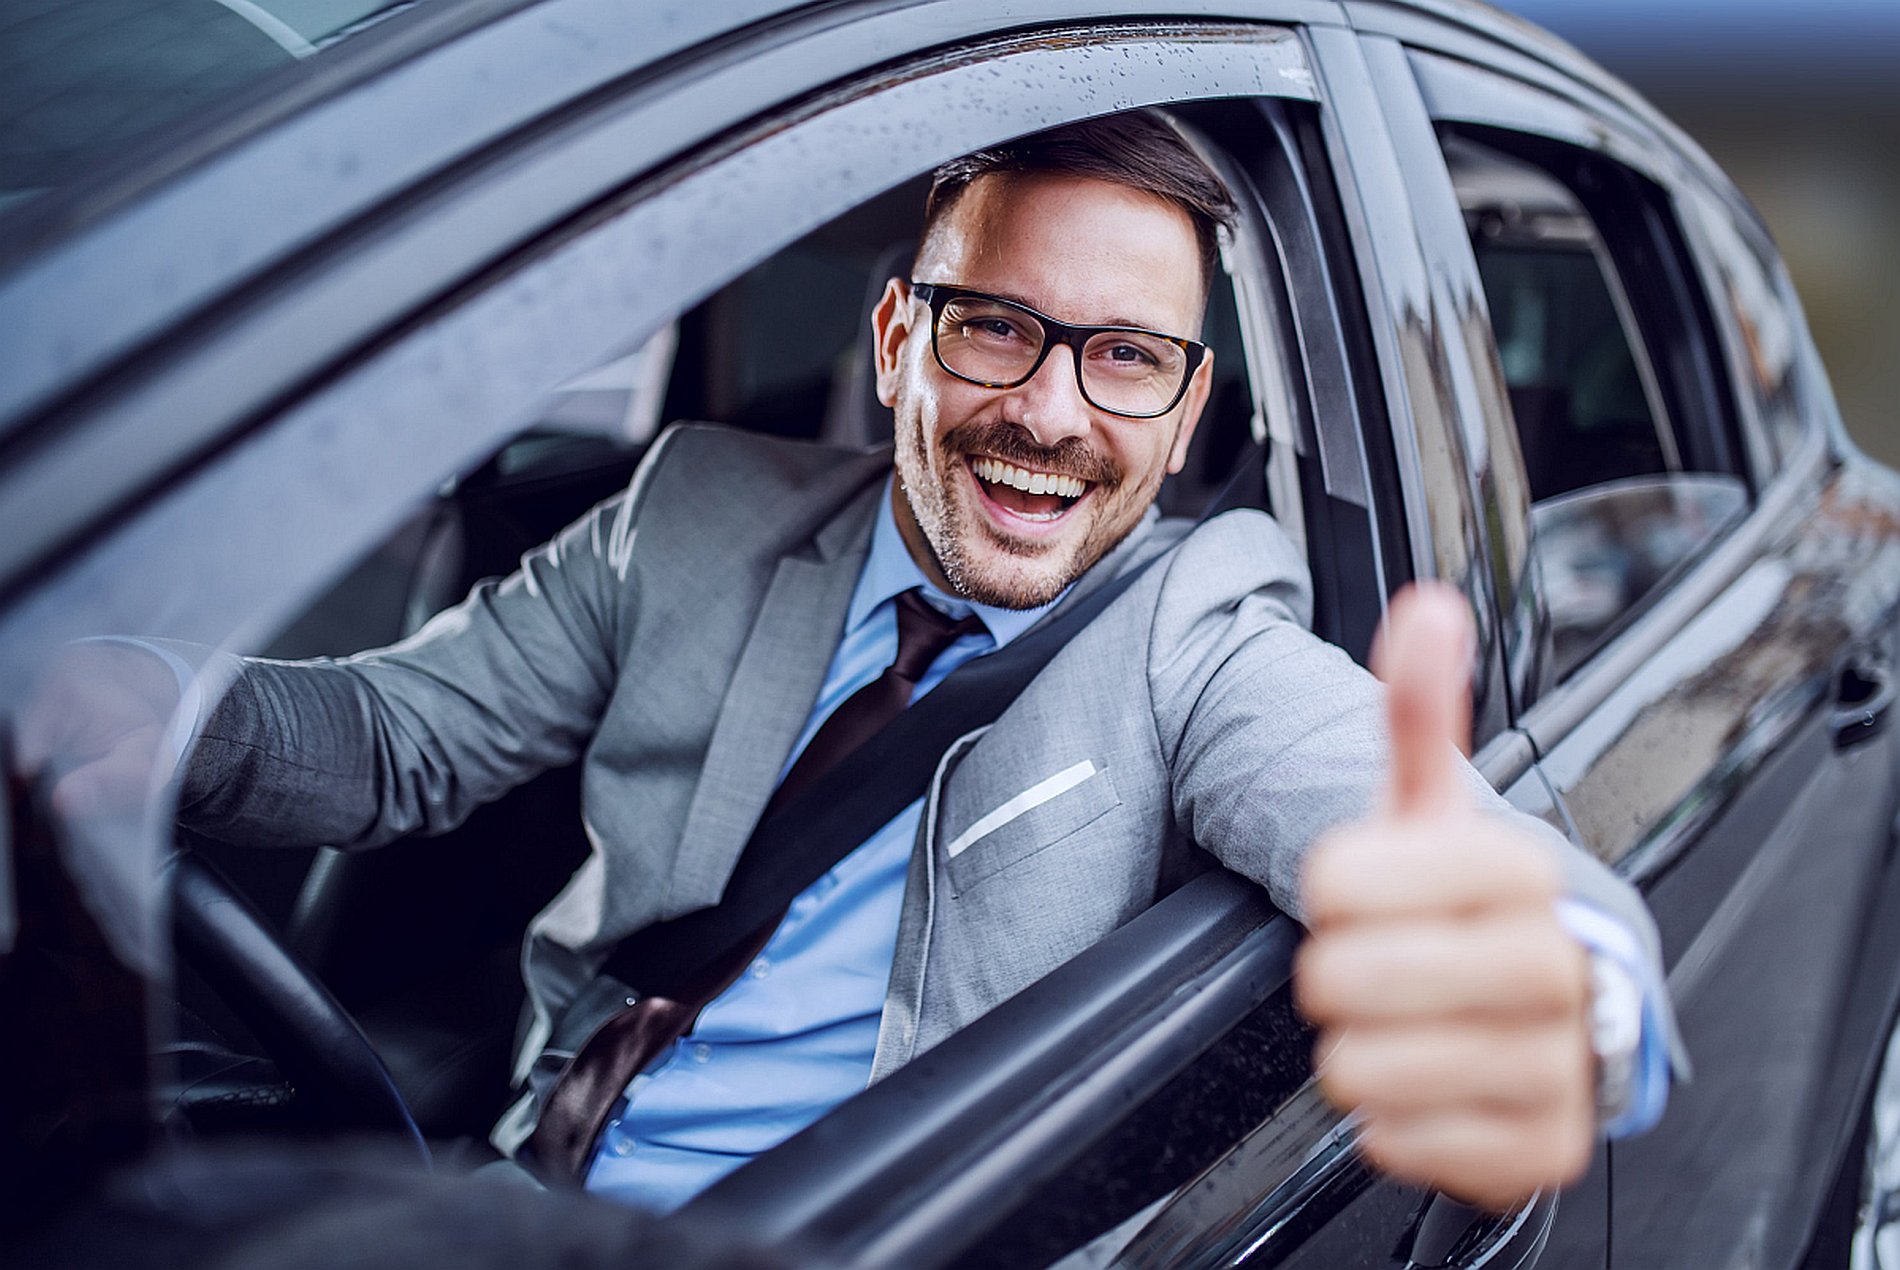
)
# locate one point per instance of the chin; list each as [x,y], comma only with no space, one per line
[1006,588]
[1010,575]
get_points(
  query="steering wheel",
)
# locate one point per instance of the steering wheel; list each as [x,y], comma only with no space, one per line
[315,1043]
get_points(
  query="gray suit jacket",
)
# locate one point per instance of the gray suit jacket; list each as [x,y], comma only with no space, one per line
[677,635]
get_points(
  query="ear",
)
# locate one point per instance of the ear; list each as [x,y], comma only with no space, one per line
[890,330]
[1199,385]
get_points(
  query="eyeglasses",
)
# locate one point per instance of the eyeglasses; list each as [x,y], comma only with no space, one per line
[997,343]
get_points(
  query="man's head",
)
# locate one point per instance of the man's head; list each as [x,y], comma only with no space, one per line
[1112,222]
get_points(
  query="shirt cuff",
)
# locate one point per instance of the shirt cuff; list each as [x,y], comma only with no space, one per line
[1605,936]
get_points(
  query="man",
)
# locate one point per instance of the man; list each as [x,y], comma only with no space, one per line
[696,636]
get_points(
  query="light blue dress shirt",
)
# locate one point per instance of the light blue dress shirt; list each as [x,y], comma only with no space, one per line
[794,1036]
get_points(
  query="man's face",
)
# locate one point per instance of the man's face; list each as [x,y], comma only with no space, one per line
[1082,251]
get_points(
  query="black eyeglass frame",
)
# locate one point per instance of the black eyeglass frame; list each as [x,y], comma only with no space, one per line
[937,295]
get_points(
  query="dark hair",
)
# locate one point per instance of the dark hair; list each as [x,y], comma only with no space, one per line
[1137,149]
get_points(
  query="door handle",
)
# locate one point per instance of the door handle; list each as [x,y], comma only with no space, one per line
[1442,1226]
[1449,1235]
[1863,698]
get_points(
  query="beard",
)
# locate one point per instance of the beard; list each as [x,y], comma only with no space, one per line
[982,563]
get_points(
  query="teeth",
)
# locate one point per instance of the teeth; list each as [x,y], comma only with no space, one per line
[998,472]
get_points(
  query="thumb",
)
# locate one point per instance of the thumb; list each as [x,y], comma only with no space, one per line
[1423,654]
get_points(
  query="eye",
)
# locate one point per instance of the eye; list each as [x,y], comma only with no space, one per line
[1128,356]
[990,326]
[994,328]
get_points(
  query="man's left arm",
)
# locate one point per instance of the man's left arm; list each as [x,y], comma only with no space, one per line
[1447,969]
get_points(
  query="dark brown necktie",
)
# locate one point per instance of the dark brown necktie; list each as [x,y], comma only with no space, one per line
[922,635]
[588,1087]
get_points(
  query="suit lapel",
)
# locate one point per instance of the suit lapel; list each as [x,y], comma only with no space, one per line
[769,699]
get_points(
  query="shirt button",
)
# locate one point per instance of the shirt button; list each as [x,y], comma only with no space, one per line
[761,968]
[702,1053]
[623,1146]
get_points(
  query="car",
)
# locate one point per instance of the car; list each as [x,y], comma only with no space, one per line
[299,349]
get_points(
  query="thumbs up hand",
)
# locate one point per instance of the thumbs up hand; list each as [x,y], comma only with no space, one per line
[1452,1005]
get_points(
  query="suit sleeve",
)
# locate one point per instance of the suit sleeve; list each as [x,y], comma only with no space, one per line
[1273,736]
[354,752]
[1270,735]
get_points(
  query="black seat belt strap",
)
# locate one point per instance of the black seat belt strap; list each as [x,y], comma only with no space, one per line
[795,845]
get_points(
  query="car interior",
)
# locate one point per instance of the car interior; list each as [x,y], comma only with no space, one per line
[783,348]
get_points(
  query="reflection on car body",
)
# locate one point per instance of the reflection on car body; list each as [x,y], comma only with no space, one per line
[1486,317]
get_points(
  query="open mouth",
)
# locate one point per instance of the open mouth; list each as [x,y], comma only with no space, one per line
[1032,496]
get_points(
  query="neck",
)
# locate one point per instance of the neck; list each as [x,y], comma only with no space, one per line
[914,541]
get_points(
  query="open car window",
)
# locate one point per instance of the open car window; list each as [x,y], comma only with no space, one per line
[532,395]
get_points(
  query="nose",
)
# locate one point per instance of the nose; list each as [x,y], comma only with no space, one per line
[1050,403]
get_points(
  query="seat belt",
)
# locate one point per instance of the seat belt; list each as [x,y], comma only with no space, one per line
[680,965]
[799,842]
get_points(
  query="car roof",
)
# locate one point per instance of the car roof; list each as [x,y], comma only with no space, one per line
[673,33]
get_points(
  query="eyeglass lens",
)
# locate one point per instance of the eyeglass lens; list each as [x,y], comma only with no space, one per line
[995,342]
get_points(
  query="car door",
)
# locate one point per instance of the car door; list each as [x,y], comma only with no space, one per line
[1698,624]
[1085,1122]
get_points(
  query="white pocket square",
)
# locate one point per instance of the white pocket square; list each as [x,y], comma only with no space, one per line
[1027,801]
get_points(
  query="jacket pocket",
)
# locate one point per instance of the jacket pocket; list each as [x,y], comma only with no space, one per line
[1037,818]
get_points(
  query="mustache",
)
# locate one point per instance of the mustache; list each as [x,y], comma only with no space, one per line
[1012,443]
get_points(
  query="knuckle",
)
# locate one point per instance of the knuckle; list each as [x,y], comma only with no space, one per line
[1385,1148]
[1345,1076]
[1570,1148]
[1329,978]
[1548,967]
[1519,864]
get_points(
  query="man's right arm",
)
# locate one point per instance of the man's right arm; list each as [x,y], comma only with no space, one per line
[360,750]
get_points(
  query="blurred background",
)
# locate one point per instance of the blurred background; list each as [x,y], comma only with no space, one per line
[1800,104]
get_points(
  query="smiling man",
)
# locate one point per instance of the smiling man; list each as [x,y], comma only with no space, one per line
[1015,480]
[751,612]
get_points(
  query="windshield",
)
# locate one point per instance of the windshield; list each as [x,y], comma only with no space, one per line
[81,80]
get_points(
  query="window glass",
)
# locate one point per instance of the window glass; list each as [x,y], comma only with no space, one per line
[1753,291]
[1616,500]
[81,79]
[1580,390]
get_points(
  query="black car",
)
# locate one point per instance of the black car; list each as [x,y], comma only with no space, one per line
[317,313]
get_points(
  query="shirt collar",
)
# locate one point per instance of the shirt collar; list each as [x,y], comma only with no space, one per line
[889,571]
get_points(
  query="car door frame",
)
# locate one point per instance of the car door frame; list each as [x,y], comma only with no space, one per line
[176,494]
[949,1189]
